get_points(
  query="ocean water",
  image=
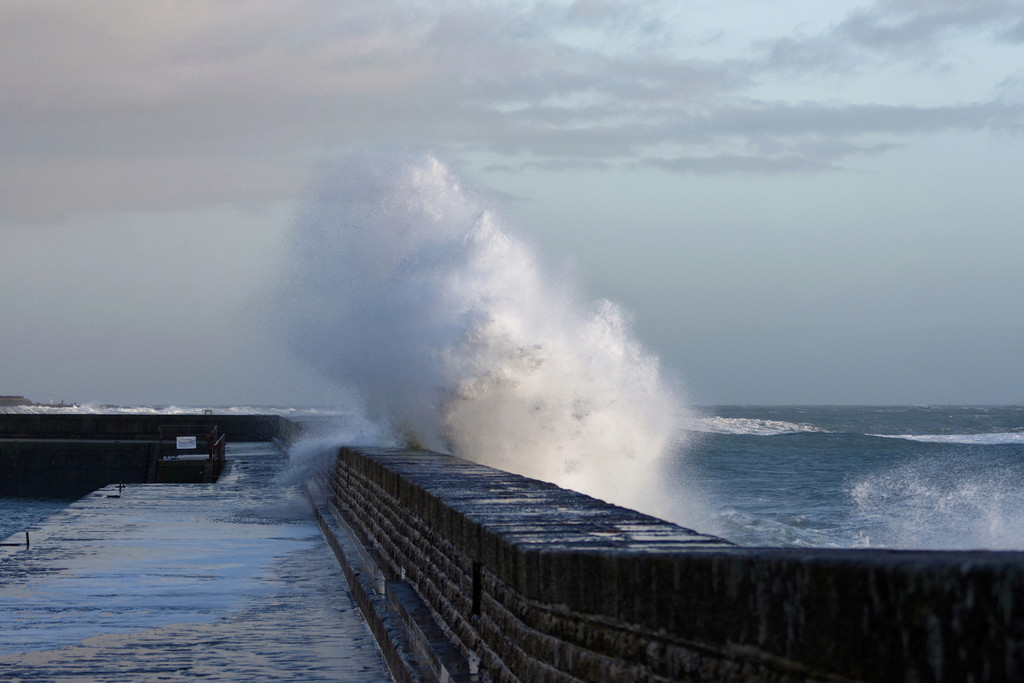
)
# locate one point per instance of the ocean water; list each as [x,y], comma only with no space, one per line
[19,514]
[925,477]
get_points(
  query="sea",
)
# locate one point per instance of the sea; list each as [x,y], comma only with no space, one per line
[905,477]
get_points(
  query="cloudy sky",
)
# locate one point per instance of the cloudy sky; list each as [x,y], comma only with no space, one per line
[799,202]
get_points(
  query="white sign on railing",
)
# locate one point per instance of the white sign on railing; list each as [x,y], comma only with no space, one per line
[186,443]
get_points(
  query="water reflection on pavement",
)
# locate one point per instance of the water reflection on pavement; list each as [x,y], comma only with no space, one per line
[230,581]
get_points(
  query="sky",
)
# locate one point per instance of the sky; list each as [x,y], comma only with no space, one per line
[796,201]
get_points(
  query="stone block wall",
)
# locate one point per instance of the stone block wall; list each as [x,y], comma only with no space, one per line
[69,469]
[131,426]
[541,584]
[69,455]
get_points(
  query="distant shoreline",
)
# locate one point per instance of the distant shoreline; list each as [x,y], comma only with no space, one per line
[18,401]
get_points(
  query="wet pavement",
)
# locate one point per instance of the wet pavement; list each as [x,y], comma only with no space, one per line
[226,581]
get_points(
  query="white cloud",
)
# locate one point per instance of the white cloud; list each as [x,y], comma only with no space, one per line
[232,98]
[917,30]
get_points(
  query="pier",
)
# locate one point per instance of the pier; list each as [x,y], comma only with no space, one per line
[419,566]
[68,455]
[225,581]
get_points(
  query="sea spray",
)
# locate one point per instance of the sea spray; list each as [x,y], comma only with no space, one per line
[403,285]
[314,452]
[952,502]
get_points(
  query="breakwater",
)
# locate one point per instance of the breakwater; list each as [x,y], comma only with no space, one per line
[532,582]
[68,455]
[229,581]
[469,573]
[132,426]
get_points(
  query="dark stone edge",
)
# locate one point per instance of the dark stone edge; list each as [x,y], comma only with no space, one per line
[413,645]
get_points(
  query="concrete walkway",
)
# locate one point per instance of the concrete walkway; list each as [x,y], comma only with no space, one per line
[226,581]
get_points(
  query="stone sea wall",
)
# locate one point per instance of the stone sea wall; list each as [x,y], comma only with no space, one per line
[69,455]
[524,581]
[124,426]
[535,583]
[70,469]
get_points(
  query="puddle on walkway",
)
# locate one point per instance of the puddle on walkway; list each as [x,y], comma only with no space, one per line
[229,581]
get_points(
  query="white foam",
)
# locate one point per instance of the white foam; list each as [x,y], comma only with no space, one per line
[100,409]
[405,286]
[749,426]
[992,439]
[941,505]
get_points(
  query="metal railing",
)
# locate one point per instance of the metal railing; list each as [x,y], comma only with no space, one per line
[176,440]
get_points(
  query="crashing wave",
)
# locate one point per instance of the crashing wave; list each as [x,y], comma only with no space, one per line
[747,426]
